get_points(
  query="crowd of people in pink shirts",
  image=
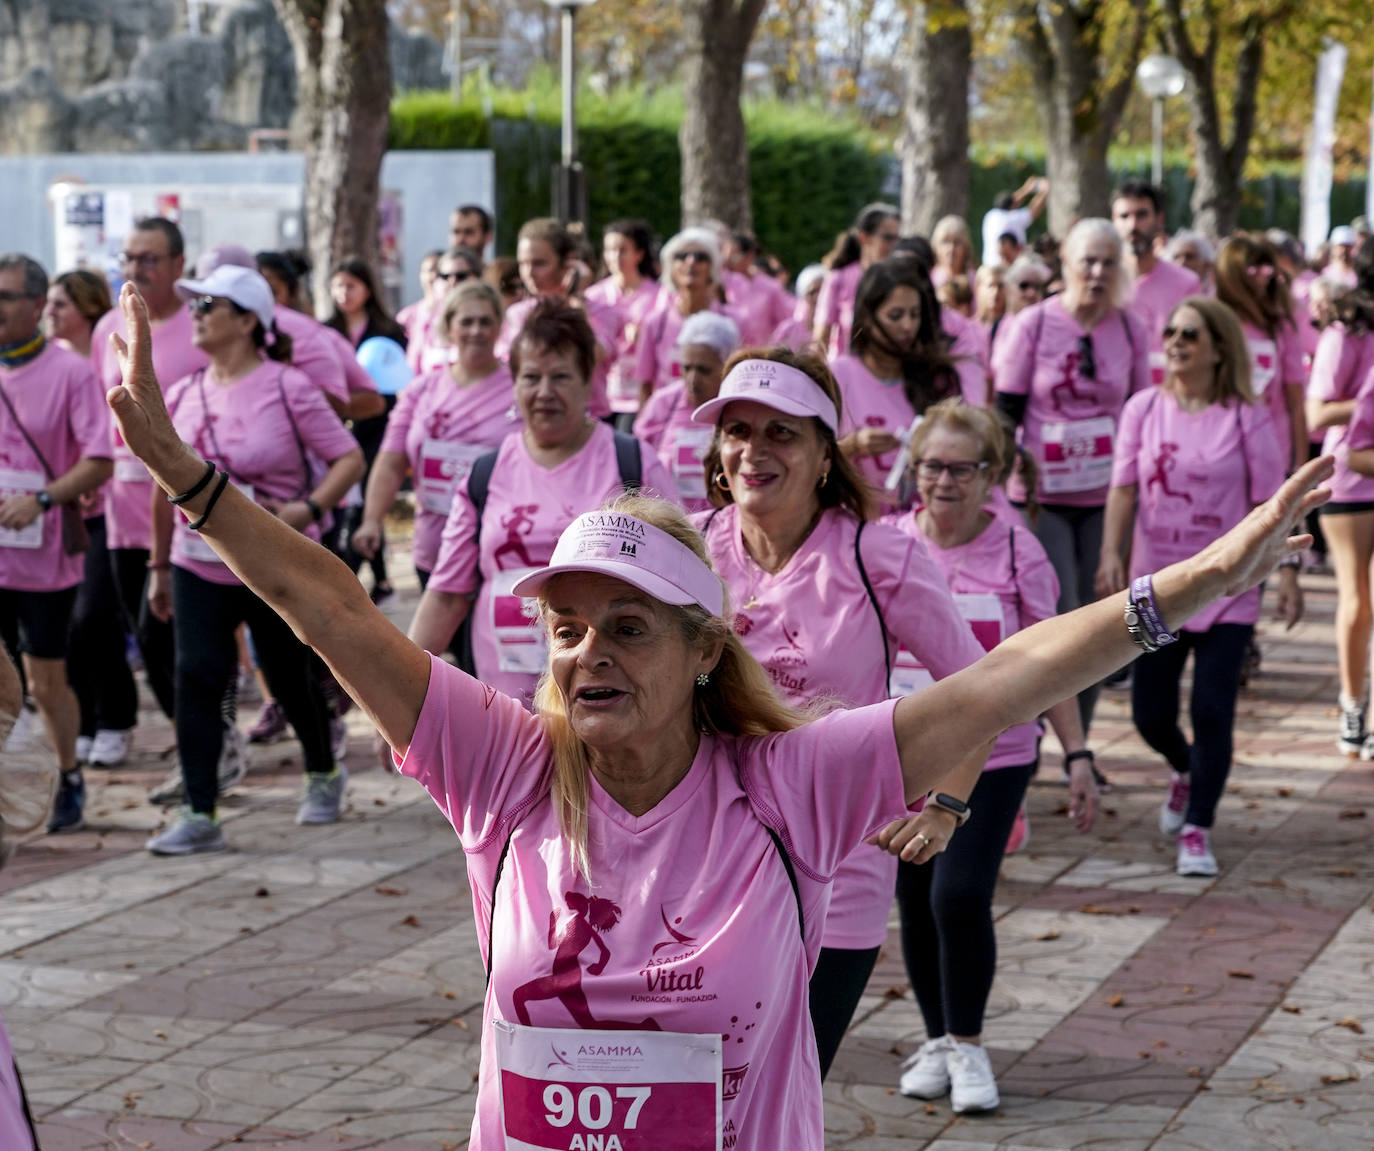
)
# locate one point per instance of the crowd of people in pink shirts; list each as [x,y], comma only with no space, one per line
[896,461]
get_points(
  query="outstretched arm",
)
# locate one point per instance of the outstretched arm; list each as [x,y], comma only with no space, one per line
[308,587]
[1036,668]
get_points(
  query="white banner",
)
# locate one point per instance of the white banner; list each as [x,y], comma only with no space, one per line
[1316,176]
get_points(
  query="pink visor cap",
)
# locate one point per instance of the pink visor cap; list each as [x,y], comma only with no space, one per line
[786,389]
[619,545]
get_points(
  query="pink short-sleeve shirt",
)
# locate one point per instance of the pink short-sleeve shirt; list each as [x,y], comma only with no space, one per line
[249,428]
[1075,383]
[665,424]
[813,628]
[1340,365]
[835,305]
[1275,368]
[527,508]
[1197,475]
[128,495]
[629,310]
[688,922]
[62,407]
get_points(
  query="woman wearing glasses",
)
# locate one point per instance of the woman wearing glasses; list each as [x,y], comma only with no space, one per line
[1002,581]
[1027,281]
[691,284]
[1063,372]
[824,599]
[1193,457]
[261,422]
[437,350]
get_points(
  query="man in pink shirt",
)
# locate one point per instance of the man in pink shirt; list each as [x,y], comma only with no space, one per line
[1138,215]
[54,447]
[154,257]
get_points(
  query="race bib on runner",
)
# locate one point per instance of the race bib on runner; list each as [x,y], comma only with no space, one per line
[443,466]
[128,468]
[982,610]
[1077,455]
[689,448]
[515,623]
[22,484]
[1264,365]
[195,548]
[608,1090]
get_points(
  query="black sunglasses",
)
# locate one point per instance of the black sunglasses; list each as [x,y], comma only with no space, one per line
[696,257]
[453,277]
[203,305]
[1087,360]
[1187,335]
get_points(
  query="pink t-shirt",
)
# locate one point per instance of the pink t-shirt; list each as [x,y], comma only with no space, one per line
[758,305]
[868,402]
[1341,363]
[603,320]
[14,1127]
[527,508]
[665,424]
[1070,419]
[1346,277]
[314,353]
[835,305]
[1362,422]
[1197,475]
[128,495]
[418,320]
[695,929]
[629,310]
[971,354]
[1275,364]
[1156,295]
[791,333]
[355,375]
[246,428]
[442,429]
[813,628]
[62,406]
[656,356]
[1007,563]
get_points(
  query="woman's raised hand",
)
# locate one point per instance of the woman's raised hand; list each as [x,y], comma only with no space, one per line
[137,402]
[1253,548]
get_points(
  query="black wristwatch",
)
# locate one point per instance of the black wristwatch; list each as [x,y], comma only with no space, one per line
[44,499]
[956,807]
[316,512]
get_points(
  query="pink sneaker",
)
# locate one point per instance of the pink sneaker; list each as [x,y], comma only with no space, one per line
[1195,852]
[1172,810]
[1020,832]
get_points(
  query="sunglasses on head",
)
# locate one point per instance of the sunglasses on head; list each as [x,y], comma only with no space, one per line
[1187,335]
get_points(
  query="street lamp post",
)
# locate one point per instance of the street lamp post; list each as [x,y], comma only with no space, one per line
[1159,77]
[569,181]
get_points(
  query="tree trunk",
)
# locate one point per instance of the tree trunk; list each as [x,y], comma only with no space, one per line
[935,170]
[343,77]
[714,146]
[1220,165]
[1080,107]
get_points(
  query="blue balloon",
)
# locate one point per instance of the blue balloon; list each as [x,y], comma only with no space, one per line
[385,361]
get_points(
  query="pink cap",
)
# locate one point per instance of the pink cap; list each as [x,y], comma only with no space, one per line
[775,385]
[615,544]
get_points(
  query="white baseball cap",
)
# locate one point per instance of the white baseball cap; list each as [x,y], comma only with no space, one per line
[244,286]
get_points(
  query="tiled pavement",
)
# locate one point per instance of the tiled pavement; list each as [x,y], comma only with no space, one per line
[320,988]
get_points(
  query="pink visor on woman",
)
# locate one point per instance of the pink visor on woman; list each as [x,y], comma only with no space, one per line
[778,386]
[615,544]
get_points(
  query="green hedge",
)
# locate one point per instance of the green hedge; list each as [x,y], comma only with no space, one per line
[810,170]
[810,173]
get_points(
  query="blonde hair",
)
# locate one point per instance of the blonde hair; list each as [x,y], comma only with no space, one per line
[470,290]
[982,425]
[738,701]
[1232,377]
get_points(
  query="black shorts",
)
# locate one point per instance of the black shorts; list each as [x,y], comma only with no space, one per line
[36,623]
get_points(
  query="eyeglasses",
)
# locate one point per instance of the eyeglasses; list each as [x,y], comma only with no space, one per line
[1087,359]
[142,259]
[1187,335]
[204,305]
[453,277]
[695,257]
[960,472]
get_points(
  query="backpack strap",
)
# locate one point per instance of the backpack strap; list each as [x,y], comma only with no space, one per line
[873,599]
[629,462]
[791,876]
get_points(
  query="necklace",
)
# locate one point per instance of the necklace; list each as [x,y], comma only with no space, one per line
[759,571]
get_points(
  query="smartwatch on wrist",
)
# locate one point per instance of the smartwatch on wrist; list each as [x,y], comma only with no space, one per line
[316,512]
[956,807]
[44,499]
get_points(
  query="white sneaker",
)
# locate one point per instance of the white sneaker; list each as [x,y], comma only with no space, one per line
[1195,852]
[1175,805]
[27,733]
[1352,731]
[972,1086]
[189,834]
[925,1073]
[171,790]
[323,798]
[108,748]
[83,748]
[233,758]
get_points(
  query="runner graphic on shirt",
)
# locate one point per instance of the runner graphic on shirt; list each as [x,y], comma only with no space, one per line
[1164,464]
[519,522]
[1067,388]
[591,918]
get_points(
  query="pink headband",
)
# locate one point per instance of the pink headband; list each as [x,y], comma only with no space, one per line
[775,385]
[615,544]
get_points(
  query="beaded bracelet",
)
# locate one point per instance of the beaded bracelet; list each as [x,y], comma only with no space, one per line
[195,490]
[196,525]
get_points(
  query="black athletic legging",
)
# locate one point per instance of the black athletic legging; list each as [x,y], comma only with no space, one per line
[154,637]
[97,657]
[836,986]
[948,940]
[1218,654]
